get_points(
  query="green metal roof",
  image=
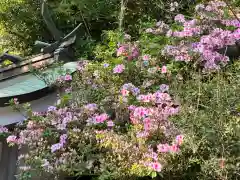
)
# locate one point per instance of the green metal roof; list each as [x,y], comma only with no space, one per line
[28,83]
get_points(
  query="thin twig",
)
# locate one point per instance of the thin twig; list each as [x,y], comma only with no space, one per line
[230,8]
[85,24]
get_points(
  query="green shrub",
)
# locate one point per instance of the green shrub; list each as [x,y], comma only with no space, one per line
[19,32]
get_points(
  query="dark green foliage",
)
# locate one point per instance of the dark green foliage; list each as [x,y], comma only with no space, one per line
[21,22]
[20,25]
[210,118]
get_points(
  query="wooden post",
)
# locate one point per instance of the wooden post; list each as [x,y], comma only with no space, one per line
[8,160]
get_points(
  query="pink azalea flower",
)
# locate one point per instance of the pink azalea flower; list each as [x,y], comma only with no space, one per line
[68,90]
[179,18]
[121,51]
[140,112]
[174,148]
[3,129]
[147,126]
[142,134]
[91,107]
[156,166]
[101,118]
[147,120]
[132,107]
[154,156]
[179,139]
[118,69]
[146,57]
[163,148]
[125,92]
[110,123]
[145,98]
[12,139]
[30,125]
[164,69]
[15,100]
[68,77]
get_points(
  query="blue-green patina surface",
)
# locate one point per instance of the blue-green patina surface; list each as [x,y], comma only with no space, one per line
[28,83]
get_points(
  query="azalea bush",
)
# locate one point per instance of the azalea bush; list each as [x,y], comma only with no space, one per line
[207,40]
[75,141]
[146,108]
[121,100]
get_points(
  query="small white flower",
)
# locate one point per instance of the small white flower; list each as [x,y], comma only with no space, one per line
[173,6]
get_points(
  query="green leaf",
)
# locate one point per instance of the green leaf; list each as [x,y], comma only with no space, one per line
[154,174]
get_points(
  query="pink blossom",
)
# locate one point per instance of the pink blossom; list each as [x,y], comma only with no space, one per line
[134,53]
[174,148]
[179,139]
[179,18]
[142,134]
[140,112]
[15,101]
[125,92]
[147,124]
[100,131]
[68,90]
[101,118]
[122,51]
[154,156]
[164,70]
[147,120]
[118,69]
[68,77]
[81,65]
[131,107]
[208,8]
[162,97]
[3,129]
[30,124]
[12,139]
[163,148]
[145,98]
[110,123]
[146,57]
[91,107]
[156,166]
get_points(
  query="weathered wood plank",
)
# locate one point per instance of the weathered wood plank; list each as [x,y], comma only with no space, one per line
[24,67]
